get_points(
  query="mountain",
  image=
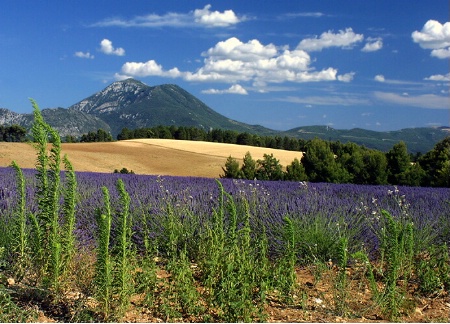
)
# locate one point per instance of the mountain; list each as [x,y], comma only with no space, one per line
[133,104]
[65,121]
[420,139]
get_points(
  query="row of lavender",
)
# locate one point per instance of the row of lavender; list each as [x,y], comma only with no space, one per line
[354,209]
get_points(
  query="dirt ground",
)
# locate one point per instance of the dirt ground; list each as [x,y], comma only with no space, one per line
[314,302]
[147,156]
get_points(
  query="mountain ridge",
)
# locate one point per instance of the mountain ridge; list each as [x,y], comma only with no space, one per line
[132,104]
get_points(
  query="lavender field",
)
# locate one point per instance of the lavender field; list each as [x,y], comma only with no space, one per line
[341,207]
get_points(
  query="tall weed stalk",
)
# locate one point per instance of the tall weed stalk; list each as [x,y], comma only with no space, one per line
[124,281]
[20,236]
[104,264]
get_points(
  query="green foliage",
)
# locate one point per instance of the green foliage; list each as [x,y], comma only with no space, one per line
[341,281]
[433,270]
[248,167]
[269,168]
[20,233]
[321,165]
[396,262]
[124,171]
[104,264]
[285,277]
[232,271]
[13,133]
[123,277]
[70,201]
[99,136]
[295,171]
[231,169]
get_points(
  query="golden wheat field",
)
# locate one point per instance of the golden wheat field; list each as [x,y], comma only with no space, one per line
[147,156]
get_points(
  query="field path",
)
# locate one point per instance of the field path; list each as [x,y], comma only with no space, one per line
[147,156]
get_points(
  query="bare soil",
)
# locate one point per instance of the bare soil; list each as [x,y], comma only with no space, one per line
[314,302]
[147,156]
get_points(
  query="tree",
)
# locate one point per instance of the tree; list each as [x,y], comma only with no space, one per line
[375,168]
[244,139]
[435,163]
[398,162]
[13,133]
[248,169]
[99,136]
[320,163]
[269,168]
[295,171]
[231,169]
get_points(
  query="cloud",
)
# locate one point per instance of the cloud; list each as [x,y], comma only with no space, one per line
[215,18]
[345,100]
[373,45]
[428,101]
[294,15]
[434,36]
[379,78]
[346,77]
[234,89]
[439,77]
[107,48]
[441,53]
[86,55]
[149,68]
[199,17]
[343,39]
[233,61]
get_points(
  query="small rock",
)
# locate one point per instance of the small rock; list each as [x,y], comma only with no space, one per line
[318,300]
[11,281]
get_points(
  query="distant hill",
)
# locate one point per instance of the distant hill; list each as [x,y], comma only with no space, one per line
[65,121]
[417,139]
[132,104]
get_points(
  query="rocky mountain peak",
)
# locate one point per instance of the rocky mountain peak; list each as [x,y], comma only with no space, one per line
[114,96]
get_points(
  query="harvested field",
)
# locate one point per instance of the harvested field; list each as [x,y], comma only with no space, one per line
[147,156]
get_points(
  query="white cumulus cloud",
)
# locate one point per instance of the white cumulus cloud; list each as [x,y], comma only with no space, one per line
[107,48]
[234,89]
[344,38]
[434,36]
[215,18]
[439,77]
[373,45]
[233,61]
[86,55]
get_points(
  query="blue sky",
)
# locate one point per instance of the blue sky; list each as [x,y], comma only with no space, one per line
[380,65]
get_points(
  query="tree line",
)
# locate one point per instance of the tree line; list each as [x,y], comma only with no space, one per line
[213,135]
[335,162]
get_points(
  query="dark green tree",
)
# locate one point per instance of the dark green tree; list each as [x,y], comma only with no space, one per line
[231,169]
[248,169]
[295,171]
[398,162]
[435,163]
[269,168]
[321,165]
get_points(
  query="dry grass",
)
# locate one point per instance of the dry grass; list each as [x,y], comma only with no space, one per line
[147,156]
